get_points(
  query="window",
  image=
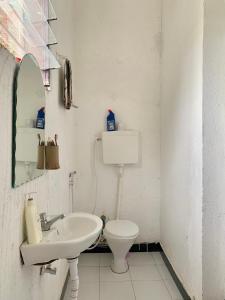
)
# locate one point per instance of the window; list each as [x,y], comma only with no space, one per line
[24,28]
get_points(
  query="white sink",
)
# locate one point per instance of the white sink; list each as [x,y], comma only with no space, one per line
[67,238]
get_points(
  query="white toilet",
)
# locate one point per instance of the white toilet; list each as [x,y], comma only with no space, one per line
[120,148]
[120,235]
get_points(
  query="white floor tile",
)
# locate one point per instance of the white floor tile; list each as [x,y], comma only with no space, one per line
[151,279]
[86,291]
[89,291]
[106,274]
[173,290]
[106,259]
[89,259]
[88,274]
[158,258]
[140,259]
[148,272]
[116,291]
[164,272]
[150,290]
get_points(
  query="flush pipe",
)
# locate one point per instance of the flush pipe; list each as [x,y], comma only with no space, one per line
[120,190]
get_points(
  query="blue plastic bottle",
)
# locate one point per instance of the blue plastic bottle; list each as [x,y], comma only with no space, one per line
[111,123]
[41,118]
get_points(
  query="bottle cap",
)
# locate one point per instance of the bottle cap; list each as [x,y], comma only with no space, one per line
[30,197]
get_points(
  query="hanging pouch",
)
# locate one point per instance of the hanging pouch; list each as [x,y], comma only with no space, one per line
[51,157]
[41,157]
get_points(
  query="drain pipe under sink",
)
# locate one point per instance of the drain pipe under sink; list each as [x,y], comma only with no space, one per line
[73,265]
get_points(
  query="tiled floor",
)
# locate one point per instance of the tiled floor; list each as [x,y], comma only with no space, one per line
[147,279]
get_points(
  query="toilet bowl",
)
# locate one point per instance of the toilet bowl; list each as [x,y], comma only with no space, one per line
[120,235]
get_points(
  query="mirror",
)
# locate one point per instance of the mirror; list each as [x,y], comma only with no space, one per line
[28,120]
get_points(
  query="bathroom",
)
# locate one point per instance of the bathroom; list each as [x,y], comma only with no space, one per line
[159,66]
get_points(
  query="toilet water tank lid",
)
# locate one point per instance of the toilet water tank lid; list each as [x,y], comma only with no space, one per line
[122,228]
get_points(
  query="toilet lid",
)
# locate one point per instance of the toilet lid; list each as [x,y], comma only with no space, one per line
[121,228]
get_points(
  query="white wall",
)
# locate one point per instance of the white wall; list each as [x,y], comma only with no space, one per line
[181,138]
[117,58]
[213,150]
[16,281]
[115,50]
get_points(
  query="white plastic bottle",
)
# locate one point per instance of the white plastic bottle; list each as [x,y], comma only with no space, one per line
[34,233]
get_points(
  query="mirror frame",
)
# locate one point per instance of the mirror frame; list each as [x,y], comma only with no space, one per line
[14,119]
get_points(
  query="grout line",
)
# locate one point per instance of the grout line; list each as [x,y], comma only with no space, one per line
[131,281]
[147,280]
[159,272]
[154,259]
[133,289]
[167,289]
[158,262]
[164,279]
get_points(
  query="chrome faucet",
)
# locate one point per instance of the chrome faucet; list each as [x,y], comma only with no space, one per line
[45,224]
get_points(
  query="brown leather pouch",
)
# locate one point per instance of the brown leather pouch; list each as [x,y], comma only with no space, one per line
[41,158]
[52,157]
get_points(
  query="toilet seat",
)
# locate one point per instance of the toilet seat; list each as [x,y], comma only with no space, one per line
[121,229]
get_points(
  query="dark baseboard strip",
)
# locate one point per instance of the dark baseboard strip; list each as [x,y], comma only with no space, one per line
[175,278]
[143,247]
[65,286]
[146,247]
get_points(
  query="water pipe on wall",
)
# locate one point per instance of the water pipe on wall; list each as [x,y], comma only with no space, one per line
[71,189]
[95,175]
[120,190]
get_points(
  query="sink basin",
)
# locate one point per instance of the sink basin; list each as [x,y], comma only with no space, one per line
[67,238]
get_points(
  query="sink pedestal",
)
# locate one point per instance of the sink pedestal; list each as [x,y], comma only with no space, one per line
[74,277]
